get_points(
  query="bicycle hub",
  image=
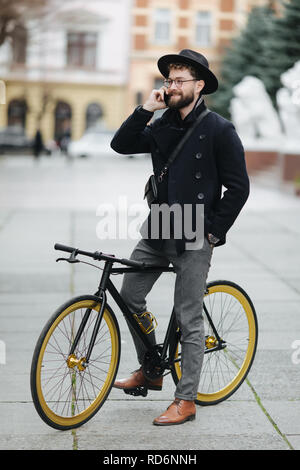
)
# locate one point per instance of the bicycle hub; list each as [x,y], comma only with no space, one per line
[73,362]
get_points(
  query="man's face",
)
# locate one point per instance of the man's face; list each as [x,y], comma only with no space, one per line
[182,96]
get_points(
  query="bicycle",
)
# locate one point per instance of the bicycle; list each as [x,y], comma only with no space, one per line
[76,357]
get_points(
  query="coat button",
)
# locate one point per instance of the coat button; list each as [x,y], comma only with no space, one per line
[198,175]
[202,136]
[198,155]
[200,196]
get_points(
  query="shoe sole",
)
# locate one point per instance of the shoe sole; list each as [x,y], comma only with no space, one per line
[188,418]
[154,387]
[147,385]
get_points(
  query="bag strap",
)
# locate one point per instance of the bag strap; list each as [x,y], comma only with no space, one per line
[181,143]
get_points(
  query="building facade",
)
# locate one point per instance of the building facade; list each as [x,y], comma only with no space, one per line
[166,26]
[67,69]
[84,62]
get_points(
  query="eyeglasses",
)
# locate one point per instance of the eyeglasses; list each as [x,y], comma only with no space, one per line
[178,83]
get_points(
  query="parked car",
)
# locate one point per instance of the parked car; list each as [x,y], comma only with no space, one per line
[94,143]
[13,139]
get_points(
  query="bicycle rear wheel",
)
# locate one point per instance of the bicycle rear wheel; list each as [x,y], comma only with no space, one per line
[67,393]
[234,317]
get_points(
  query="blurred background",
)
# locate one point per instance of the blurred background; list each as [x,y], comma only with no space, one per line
[70,74]
[75,70]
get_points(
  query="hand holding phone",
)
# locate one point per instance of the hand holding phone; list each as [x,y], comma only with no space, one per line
[157,100]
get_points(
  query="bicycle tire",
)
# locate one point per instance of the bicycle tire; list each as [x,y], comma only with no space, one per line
[224,371]
[64,396]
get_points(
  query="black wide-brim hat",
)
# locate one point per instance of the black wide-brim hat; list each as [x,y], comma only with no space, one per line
[197,60]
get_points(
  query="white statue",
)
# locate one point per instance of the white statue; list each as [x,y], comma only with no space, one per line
[242,119]
[254,115]
[288,101]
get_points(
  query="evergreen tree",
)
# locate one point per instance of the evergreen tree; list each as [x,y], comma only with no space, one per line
[242,57]
[281,47]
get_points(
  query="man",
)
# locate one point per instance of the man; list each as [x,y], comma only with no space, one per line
[212,157]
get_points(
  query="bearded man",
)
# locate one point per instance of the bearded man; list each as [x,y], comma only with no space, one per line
[211,158]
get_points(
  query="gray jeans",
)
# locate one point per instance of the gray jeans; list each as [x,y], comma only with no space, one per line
[191,273]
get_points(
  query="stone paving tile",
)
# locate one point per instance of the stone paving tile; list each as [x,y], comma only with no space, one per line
[261,255]
[225,426]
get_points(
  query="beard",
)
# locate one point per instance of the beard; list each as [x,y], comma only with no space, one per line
[178,101]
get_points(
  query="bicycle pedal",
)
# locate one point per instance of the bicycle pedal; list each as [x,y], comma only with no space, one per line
[137,391]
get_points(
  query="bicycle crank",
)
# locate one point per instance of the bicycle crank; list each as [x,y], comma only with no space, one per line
[137,391]
[73,362]
[212,344]
[152,366]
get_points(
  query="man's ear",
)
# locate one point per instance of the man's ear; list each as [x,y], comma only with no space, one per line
[200,84]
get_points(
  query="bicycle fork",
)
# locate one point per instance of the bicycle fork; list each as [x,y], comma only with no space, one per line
[82,363]
[105,283]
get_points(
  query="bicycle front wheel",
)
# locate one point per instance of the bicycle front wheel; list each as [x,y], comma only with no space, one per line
[234,319]
[66,392]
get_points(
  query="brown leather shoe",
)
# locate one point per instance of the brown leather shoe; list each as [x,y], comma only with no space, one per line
[137,379]
[178,412]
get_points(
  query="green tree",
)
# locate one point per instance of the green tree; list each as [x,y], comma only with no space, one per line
[281,47]
[242,57]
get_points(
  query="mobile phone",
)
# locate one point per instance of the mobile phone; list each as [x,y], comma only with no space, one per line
[166,98]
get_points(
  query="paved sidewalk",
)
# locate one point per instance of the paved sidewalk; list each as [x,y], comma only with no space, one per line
[53,200]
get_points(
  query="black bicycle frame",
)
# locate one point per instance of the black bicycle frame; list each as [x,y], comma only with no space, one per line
[171,339]
[107,285]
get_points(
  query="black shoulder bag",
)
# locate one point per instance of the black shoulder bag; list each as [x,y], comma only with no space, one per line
[151,192]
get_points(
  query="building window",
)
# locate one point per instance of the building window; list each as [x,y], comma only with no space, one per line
[63,117]
[81,49]
[94,113]
[203,28]
[19,45]
[138,98]
[158,82]
[16,113]
[162,26]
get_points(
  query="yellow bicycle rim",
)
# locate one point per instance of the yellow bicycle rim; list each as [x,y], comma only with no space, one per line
[242,370]
[81,417]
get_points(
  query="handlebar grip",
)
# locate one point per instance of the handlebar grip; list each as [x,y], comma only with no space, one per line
[135,264]
[66,248]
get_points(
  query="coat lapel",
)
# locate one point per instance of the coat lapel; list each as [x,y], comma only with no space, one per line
[166,138]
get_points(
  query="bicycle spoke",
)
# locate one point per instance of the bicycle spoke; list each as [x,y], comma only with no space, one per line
[231,319]
[69,391]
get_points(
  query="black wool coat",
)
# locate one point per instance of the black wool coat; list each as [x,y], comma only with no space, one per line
[212,158]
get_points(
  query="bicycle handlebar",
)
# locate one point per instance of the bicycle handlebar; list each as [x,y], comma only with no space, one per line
[66,248]
[100,256]
[130,262]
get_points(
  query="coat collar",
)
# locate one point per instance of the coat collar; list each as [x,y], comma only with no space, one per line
[192,116]
[171,127]
[172,116]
